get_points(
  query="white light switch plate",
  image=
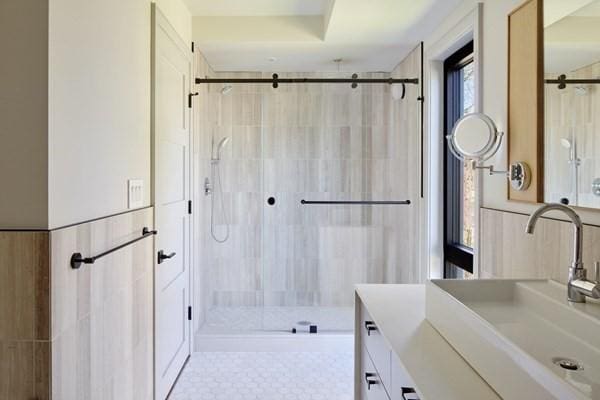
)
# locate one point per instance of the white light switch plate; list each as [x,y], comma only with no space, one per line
[135,189]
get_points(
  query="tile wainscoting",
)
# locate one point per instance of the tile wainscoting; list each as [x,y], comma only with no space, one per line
[77,334]
[506,251]
[24,315]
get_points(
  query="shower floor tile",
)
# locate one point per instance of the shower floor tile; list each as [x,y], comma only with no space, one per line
[266,376]
[243,319]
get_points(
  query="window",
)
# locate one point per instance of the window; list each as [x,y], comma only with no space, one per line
[459,199]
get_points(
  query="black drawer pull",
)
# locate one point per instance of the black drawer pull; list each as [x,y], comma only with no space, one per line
[409,390]
[370,326]
[371,379]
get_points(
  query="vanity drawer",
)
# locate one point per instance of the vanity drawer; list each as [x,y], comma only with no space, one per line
[402,386]
[376,346]
[368,373]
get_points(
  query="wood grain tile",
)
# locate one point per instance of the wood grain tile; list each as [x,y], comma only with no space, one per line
[102,313]
[24,296]
[508,252]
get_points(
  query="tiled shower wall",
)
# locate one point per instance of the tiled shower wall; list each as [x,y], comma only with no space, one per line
[314,142]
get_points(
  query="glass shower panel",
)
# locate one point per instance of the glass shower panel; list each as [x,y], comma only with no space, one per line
[231,284]
[322,142]
[285,265]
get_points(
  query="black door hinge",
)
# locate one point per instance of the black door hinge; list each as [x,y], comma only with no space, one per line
[189,206]
[192,47]
[189,313]
[190,95]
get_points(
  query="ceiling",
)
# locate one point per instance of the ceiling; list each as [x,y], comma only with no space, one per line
[257,8]
[572,36]
[307,35]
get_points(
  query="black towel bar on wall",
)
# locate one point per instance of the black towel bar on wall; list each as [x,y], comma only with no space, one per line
[359,202]
[77,259]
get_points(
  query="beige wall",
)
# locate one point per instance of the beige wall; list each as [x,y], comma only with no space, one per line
[75,115]
[23,113]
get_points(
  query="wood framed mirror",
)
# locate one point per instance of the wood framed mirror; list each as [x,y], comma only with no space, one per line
[526,97]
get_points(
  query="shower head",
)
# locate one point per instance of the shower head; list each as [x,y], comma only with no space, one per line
[226,89]
[581,90]
[222,143]
[566,143]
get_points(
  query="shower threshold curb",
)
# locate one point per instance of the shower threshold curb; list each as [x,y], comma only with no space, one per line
[322,342]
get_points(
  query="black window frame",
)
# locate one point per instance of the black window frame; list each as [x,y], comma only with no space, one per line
[456,255]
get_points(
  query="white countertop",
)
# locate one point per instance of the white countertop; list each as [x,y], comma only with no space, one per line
[437,370]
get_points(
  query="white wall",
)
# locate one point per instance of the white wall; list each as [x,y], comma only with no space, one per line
[75,115]
[495,50]
[178,15]
[99,102]
[99,106]
[23,114]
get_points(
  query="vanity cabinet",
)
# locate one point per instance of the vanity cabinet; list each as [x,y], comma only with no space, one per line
[400,356]
[381,371]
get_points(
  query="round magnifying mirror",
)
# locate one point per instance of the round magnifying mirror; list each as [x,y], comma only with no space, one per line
[474,137]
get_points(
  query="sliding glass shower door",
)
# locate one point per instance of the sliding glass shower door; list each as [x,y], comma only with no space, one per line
[287,266]
[322,142]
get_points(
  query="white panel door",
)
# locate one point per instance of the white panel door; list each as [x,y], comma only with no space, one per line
[171,175]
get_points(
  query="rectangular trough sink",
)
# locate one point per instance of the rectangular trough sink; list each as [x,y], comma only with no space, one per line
[522,336]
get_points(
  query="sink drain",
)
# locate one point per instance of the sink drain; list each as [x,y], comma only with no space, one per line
[567,363]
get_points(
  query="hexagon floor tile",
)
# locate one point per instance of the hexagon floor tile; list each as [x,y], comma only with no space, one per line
[266,376]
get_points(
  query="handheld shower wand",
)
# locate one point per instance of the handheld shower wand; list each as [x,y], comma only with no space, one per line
[222,143]
[217,188]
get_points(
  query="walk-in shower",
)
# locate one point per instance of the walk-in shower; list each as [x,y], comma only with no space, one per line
[290,265]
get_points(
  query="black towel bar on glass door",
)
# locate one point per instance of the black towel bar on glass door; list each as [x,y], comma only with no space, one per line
[358,202]
[77,259]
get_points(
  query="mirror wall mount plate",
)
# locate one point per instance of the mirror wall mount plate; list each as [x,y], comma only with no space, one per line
[475,139]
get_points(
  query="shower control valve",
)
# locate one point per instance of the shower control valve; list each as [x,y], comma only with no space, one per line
[207,187]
